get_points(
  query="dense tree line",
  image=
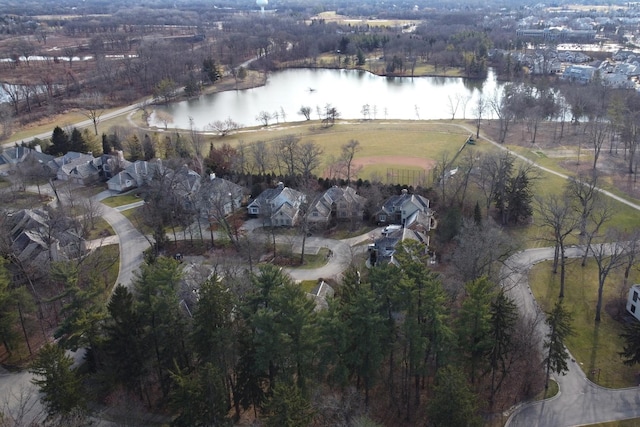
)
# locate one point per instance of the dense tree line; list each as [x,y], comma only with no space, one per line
[254,341]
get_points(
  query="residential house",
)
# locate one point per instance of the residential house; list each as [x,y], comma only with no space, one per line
[10,157]
[579,73]
[399,208]
[633,301]
[336,204]
[383,249]
[76,167]
[36,238]
[320,294]
[278,206]
[410,217]
[135,175]
[222,196]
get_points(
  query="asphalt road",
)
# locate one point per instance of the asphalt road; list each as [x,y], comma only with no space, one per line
[579,401]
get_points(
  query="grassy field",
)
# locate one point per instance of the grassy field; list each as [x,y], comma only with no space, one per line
[101,229]
[122,200]
[595,346]
[624,423]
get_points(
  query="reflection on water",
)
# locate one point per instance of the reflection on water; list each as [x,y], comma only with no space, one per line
[287,91]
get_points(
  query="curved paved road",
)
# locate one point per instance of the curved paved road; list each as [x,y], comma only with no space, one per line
[580,401]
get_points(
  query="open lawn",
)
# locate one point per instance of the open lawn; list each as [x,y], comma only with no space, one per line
[101,229]
[121,200]
[595,346]
[624,423]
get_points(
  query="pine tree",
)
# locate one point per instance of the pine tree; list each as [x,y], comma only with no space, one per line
[559,322]
[124,342]
[474,323]
[199,398]
[504,315]
[59,142]
[60,385]
[631,350]
[77,142]
[453,404]
[288,407]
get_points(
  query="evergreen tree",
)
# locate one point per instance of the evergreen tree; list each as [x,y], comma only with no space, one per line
[504,315]
[453,404]
[59,142]
[106,145]
[135,149]
[559,322]
[60,385]
[83,310]
[210,70]
[477,215]
[77,142]
[165,338]
[286,339]
[124,342]
[288,407]
[474,324]
[148,148]
[200,398]
[9,314]
[631,350]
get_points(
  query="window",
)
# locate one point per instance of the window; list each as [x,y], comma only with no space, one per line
[383,217]
[633,308]
[635,296]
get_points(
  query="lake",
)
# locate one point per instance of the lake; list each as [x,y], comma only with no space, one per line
[407,98]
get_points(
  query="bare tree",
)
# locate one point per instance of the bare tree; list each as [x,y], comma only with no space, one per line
[454,103]
[306,112]
[495,169]
[224,127]
[480,250]
[583,192]
[92,108]
[557,214]
[502,108]
[264,117]
[261,156]
[348,152]
[598,131]
[601,212]
[197,146]
[288,151]
[608,256]
[310,156]
[164,117]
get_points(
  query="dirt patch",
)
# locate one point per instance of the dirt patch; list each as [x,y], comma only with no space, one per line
[336,171]
[426,164]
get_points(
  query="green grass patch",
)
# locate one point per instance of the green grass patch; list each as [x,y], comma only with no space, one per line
[308,285]
[105,263]
[548,393]
[346,233]
[135,216]
[121,200]
[24,200]
[595,346]
[315,260]
[101,229]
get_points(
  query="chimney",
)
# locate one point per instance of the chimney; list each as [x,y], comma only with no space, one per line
[212,176]
[404,191]
[280,185]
